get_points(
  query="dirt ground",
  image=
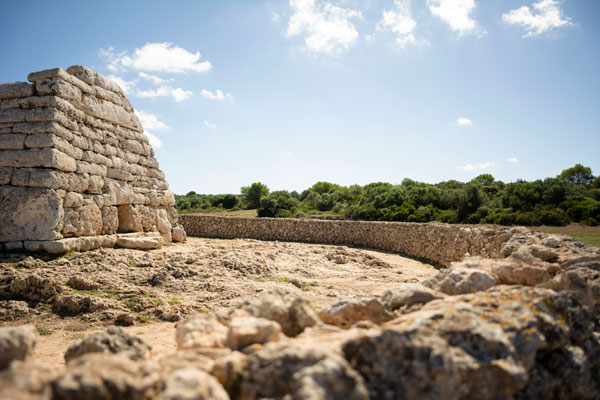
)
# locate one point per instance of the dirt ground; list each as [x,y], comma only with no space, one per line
[156,288]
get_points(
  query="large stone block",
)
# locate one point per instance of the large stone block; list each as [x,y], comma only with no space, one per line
[129,219]
[12,141]
[83,221]
[48,158]
[44,127]
[30,214]
[15,89]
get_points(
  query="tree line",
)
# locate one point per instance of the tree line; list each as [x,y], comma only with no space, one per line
[572,196]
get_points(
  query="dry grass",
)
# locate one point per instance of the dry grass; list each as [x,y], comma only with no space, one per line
[589,235]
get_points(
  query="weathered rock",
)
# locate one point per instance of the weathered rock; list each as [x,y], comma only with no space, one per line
[279,372]
[461,280]
[75,304]
[408,294]
[107,376]
[28,380]
[292,314]
[115,340]
[80,283]
[200,330]
[83,221]
[16,343]
[141,242]
[32,288]
[192,384]
[13,309]
[244,331]
[345,313]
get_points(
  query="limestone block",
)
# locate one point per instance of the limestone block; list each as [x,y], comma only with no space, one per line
[78,182]
[12,141]
[143,243]
[50,114]
[15,89]
[111,112]
[178,233]
[89,168]
[81,142]
[9,104]
[73,199]
[38,102]
[49,158]
[160,198]
[92,78]
[172,214]
[5,175]
[95,184]
[58,87]
[110,220]
[130,157]
[162,221]
[29,214]
[148,217]
[110,150]
[7,116]
[119,174]
[94,134]
[148,162]
[62,74]
[47,178]
[6,130]
[82,221]
[117,192]
[21,177]
[96,198]
[43,140]
[96,158]
[44,127]
[129,219]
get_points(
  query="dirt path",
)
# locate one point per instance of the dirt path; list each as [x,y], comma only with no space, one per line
[155,288]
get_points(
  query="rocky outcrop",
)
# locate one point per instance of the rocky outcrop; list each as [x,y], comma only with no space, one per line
[114,341]
[74,163]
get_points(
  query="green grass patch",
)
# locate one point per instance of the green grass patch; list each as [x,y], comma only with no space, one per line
[143,319]
[589,235]
[175,300]
[43,331]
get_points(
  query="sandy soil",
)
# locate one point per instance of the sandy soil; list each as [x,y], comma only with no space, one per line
[158,287]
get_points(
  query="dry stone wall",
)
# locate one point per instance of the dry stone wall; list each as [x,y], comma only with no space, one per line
[76,170]
[440,243]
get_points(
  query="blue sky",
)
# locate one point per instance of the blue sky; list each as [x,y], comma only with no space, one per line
[293,92]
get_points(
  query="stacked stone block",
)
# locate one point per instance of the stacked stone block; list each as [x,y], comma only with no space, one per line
[76,170]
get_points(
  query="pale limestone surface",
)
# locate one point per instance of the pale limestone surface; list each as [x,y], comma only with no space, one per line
[74,162]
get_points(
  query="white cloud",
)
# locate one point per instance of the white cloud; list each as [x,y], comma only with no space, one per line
[217,95]
[547,16]
[287,152]
[325,28]
[154,79]
[464,122]
[157,57]
[456,13]
[209,125]
[127,86]
[150,121]
[177,94]
[476,167]
[275,17]
[400,22]
[154,141]
[512,160]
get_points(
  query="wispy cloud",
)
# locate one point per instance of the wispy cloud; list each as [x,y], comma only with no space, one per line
[464,122]
[400,22]
[157,80]
[209,125]
[151,121]
[325,28]
[513,160]
[156,57]
[476,167]
[456,13]
[217,95]
[127,86]
[177,94]
[545,16]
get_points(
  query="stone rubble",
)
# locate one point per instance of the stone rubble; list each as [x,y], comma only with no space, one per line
[76,170]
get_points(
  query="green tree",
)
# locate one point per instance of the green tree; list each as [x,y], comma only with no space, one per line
[254,193]
[578,175]
[484,179]
[596,183]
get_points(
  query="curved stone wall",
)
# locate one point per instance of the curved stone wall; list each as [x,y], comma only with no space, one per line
[439,243]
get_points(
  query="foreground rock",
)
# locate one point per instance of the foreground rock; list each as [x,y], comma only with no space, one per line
[114,341]
[16,343]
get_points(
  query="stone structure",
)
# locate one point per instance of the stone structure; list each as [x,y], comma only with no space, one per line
[439,243]
[76,170]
